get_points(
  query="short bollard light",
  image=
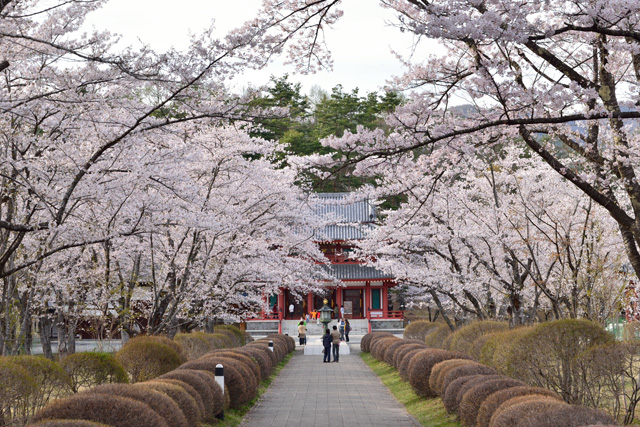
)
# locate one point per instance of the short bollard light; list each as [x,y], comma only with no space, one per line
[271,345]
[220,381]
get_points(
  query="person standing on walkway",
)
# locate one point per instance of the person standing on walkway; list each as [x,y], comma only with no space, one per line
[341,329]
[302,333]
[291,308]
[335,335]
[342,311]
[347,329]
[326,343]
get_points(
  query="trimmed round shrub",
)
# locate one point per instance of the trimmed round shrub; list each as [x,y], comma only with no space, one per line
[179,395]
[491,404]
[52,382]
[498,346]
[245,366]
[219,340]
[248,361]
[366,340]
[420,366]
[16,390]
[440,369]
[67,423]
[379,347]
[418,330]
[289,343]
[463,338]
[280,347]
[473,383]
[260,358]
[145,358]
[159,402]
[193,345]
[511,412]
[472,399]
[238,337]
[233,379]
[114,411]
[264,347]
[92,368]
[548,354]
[403,350]
[171,343]
[389,353]
[436,337]
[450,392]
[204,385]
[403,367]
[202,414]
[567,416]
[465,370]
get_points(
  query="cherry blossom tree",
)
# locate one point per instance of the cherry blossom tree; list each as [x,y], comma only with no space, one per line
[559,76]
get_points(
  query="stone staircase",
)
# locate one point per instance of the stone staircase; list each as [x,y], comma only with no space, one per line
[290,327]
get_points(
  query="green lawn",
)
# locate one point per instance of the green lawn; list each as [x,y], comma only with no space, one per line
[233,417]
[428,412]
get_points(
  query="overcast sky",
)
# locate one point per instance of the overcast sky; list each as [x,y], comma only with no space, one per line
[361,42]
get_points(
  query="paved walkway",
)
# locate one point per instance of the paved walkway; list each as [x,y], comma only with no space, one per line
[310,393]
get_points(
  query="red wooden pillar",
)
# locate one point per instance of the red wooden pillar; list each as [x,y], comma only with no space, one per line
[339,299]
[385,300]
[367,302]
[310,306]
[281,307]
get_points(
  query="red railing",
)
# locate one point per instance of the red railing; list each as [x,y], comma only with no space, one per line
[395,314]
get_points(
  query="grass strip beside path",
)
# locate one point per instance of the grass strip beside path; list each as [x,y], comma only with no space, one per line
[428,412]
[233,417]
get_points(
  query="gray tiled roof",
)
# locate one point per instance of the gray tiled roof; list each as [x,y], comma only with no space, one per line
[352,220]
[356,272]
[360,211]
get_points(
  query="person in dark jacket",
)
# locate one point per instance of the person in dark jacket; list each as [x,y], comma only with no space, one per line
[327,339]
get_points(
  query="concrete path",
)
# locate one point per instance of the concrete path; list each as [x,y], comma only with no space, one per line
[310,393]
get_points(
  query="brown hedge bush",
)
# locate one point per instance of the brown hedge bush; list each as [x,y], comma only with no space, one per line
[491,404]
[260,358]
[547,356]
[218,340]
[511,412]
[249,368]
[16,390]
[498,347]
[472,399]
[463,338]
[436,337]
[52,381]
[171,343]
[389,353]
[264,348]
[418,330]
[248,361]
[114,411]
[420,366]
[567,416]
[195,395]
[193,345]
[159,402]
[179,395]
[238,337]
[378,347]
[465,370]
[67,423]
[401,351]
[289,342]
[450,392]
[405,361]
[366,340]
[205,386]
[91,369]
[280,347]
[440,369]
[474,383]
[145,358]
[233,379]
